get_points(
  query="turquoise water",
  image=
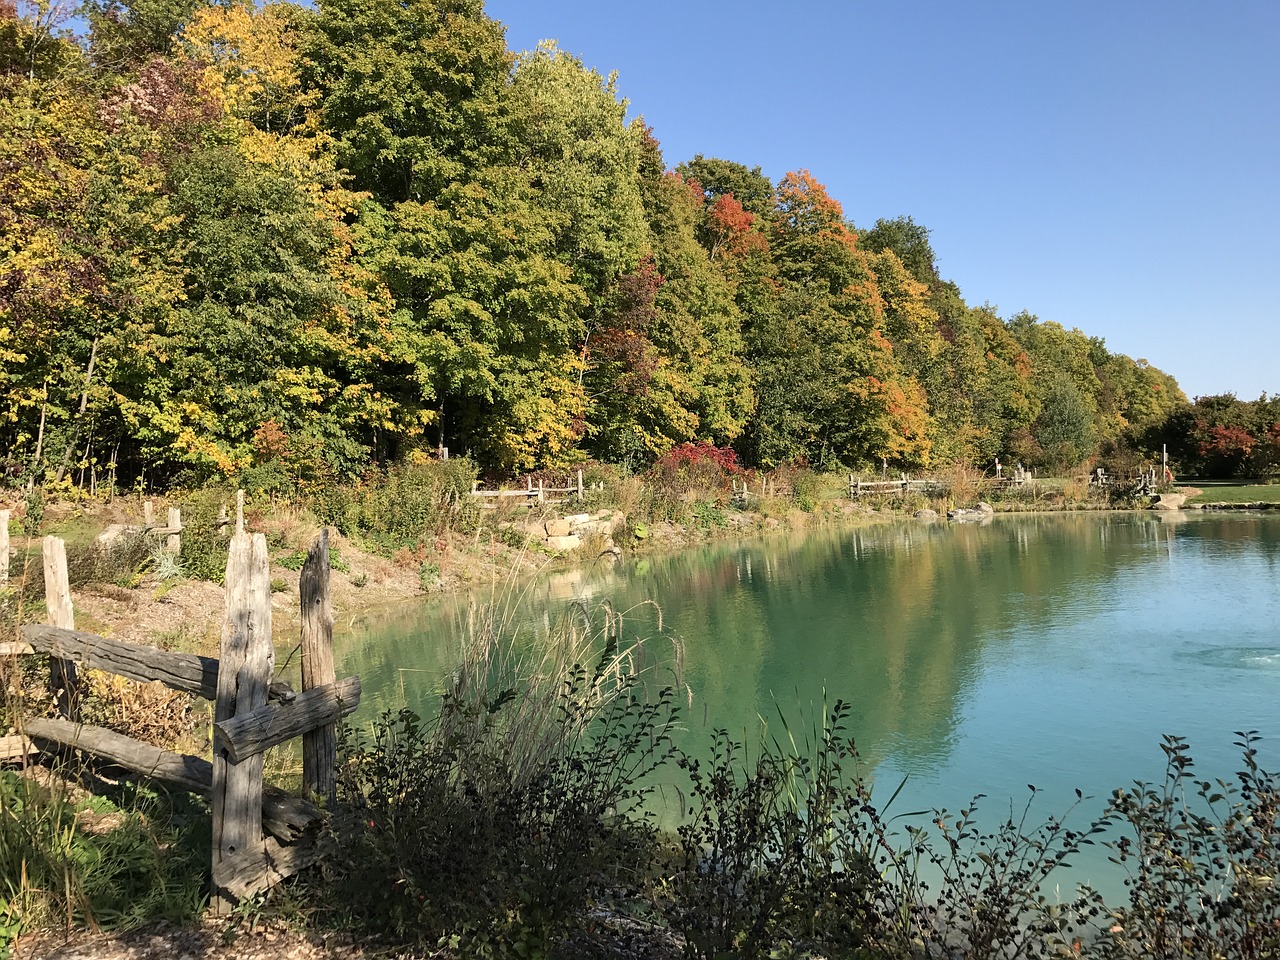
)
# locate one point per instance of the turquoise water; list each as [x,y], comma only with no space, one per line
[1046,650]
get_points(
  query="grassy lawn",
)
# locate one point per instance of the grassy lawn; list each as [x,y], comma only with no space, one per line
[1248,493]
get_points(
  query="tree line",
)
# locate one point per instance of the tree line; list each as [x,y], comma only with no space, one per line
[289,242]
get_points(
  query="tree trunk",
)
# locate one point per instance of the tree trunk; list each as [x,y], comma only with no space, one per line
[84,403]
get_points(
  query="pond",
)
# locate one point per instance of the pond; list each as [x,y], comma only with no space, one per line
[1052,650]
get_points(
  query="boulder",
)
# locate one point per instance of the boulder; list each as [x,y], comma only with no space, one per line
[968,516]
[562,543]
[1169,501]
[559,528]
[577,518]
[115,532]
[926,515]
[985,508]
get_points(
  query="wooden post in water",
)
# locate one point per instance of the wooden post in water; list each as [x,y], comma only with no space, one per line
[244,676]
[320,746]
[173,543]
[63,681]
[4,547]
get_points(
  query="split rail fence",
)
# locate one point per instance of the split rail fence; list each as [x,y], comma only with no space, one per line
[261,834]
[539,492]
[902,486]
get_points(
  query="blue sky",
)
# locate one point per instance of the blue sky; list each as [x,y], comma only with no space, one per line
[1112,166]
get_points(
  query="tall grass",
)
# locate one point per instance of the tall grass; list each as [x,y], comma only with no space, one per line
[402,506]
[495,824]
[67,859]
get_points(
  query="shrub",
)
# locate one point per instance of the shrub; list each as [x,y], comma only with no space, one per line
[1202,858]
[405,505]
[789,854]
[692,473]
[204,542]
[503,818]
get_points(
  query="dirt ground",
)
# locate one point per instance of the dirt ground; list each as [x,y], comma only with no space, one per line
[213,939]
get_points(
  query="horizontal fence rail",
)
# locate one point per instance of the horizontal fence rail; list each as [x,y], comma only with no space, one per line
[260,833]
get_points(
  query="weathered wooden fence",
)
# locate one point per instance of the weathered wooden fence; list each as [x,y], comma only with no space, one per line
[4,547]
[742,492]
[260,833]
[901,487]
[539,493]
[1142,484]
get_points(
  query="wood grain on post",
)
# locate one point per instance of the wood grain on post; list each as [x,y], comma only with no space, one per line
[320,745]
[252,871]
[314,711]
[177,671]
[244,676]
[63,681]
[174,542]
[15,747]
[4,547]
[147,517]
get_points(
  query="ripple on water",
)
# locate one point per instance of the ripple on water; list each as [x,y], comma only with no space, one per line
[1240,658]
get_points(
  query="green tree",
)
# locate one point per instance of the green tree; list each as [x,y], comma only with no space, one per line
[909,241]
[568,130]
[719,178]
[1065,427]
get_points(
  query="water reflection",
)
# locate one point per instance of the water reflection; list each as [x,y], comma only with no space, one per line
[1045,649]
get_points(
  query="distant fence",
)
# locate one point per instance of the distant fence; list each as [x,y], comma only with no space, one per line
[742,493]
[1141,484]
[901,487]
[539,493]
[251,713]
[171,530]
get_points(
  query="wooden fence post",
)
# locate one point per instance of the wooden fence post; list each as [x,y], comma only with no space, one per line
[579,484]
[63,681]
[320,746]
[173,543]
[4,547]
[148,517]
[541,497]
[244,676]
